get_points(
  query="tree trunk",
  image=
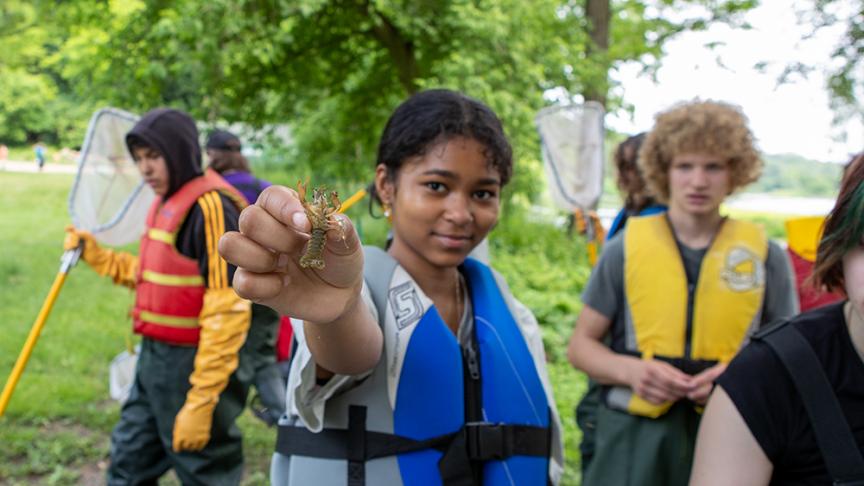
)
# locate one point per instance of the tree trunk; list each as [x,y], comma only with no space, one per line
[400,48]
[599,16]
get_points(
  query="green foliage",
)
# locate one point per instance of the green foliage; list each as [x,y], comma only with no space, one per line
[36,103]
[845,71]
[331,69]
[546,269]
[793,175]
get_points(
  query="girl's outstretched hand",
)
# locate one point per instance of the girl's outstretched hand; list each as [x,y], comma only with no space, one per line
[273,236]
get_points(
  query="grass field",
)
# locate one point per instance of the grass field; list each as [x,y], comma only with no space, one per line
[56,428]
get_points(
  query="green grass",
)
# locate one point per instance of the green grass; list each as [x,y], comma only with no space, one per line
[774,223]
[56,428]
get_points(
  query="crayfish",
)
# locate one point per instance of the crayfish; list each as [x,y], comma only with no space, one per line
[321,213]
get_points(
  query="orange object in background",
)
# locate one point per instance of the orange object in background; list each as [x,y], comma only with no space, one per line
[803,235]
[588,223]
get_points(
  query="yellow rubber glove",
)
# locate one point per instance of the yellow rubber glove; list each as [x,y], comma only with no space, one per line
[120,266]
[224,321]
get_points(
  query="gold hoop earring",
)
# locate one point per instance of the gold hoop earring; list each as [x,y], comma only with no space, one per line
[388,213]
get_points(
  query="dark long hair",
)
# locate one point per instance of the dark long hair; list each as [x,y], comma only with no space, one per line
[844,228]
[630,181]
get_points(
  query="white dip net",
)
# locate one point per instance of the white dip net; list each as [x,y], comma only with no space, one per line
[571,137]
[108,197]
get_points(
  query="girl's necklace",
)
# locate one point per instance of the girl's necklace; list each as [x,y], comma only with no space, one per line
[459,295]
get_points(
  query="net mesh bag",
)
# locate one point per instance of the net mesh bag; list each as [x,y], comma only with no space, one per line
[572,146]
[108,197]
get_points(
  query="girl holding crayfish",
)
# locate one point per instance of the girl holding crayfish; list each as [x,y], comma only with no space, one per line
[417,364]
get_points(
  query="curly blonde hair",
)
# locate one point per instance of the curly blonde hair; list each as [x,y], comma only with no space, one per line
[705,127]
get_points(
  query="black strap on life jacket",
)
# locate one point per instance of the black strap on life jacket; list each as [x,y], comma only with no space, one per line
[477,441]
[687,365]
[833,434]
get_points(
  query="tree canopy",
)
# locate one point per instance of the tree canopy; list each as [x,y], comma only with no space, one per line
[332,70]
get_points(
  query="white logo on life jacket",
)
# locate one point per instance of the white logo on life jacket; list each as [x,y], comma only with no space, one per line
[406,305]
[742,270]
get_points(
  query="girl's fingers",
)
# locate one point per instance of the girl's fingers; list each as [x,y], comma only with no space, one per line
[257,224]
[283,204]
[246,254]
[258,287]
[343,240]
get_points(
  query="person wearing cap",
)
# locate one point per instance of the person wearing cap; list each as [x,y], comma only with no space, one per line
[188,389]
[224,152]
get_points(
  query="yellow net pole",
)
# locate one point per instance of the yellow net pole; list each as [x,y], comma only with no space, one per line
[68,260]
[354,199]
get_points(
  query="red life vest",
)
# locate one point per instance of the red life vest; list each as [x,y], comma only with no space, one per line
[170,288]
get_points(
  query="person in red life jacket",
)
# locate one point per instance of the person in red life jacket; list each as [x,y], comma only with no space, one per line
[224,155]
[186,396]
[674,296]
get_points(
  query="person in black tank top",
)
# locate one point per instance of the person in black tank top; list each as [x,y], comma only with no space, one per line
[768,422]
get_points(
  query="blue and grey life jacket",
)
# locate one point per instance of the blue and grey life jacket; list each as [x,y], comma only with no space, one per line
[461,417]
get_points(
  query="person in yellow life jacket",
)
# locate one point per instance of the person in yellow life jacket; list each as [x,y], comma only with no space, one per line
[674,296]
[186,395]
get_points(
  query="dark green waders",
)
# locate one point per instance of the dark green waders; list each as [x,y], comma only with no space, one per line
[639,451]
[141,442]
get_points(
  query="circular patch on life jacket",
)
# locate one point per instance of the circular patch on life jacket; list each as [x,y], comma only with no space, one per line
[743,270]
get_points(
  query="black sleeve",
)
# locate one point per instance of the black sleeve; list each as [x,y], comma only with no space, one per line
[212,215]
[763,393]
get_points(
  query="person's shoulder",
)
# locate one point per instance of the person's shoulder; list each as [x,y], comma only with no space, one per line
[774,248]
[225,204]
[821,328]
[615,246]
[821,324]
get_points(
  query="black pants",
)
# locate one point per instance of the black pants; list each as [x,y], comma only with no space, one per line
[141,449]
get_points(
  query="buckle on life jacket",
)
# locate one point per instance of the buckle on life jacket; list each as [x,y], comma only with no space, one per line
[486,441]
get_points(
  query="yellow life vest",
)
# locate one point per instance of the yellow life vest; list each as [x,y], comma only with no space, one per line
[803,235]
[726,302]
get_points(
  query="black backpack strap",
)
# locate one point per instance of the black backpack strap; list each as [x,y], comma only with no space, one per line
[833,433]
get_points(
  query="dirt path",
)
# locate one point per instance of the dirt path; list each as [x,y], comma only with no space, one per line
[31,167]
